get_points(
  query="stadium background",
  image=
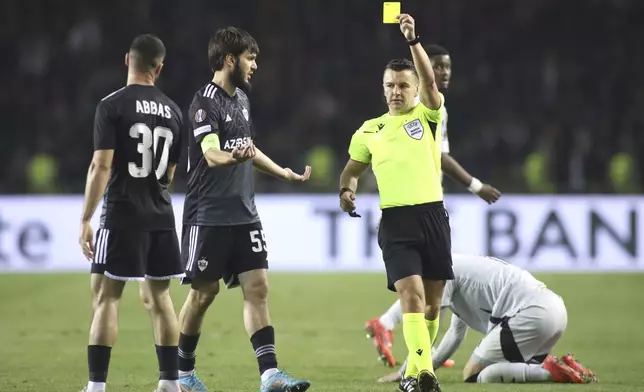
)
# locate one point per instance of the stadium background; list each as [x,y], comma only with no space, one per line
[545,104]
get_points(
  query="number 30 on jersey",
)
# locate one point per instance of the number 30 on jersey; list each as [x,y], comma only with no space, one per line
[148,148]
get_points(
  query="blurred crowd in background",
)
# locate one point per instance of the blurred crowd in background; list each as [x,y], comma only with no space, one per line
[546,95]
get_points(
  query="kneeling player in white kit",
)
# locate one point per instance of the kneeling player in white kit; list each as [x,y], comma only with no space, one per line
[522,321]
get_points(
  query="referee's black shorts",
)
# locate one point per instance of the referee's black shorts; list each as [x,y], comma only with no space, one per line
[416,240]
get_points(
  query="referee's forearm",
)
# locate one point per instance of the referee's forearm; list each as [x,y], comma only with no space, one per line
[348,181]
[429,94]
[97,178]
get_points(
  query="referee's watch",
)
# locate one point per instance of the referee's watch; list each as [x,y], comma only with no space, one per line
[414,41]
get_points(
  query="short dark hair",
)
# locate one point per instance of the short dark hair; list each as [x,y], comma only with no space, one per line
[229,40]
[401,65]
[436,50]
[147,51]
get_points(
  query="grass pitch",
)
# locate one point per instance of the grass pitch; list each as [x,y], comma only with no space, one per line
[318,319]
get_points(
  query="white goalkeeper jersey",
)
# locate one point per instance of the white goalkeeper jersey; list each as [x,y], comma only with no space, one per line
[486,287]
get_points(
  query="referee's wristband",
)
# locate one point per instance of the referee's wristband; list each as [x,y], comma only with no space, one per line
[343,190]
[414,41]
[475,185]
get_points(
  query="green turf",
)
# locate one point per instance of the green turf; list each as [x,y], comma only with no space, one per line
[318,320]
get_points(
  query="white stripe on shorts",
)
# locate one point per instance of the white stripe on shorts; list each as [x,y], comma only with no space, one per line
[101,246]
[192,250]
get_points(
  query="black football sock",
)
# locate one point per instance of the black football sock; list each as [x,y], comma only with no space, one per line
[264,344]
[98,361]
[168,362]
[187,348]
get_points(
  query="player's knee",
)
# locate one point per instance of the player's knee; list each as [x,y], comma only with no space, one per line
[256,290]
[106,293]
[203,295]
[155,301]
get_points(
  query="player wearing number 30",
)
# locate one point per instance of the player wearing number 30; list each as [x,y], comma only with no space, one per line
[222,233]
[137,134]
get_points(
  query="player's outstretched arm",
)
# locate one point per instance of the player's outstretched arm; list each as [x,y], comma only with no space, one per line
[265,164]
[428,90]
[455,171]
[450,342]
[97,177]
[349,183]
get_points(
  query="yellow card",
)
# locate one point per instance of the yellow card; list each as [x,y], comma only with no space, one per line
[389,11]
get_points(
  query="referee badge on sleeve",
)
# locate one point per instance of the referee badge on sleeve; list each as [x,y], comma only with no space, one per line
[200,115]
[414,129]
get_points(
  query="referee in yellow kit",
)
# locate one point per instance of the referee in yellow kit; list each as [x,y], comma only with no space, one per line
[404,147]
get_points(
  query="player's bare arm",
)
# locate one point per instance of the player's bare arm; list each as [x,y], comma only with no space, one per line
[349,183]
[265,164]
[171,170]
[455,171]
[428,90]
[97,177]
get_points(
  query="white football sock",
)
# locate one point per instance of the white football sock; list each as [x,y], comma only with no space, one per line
[392,317]
[514,372]
[169,386]
[188,373]
[95,386]
[268,373]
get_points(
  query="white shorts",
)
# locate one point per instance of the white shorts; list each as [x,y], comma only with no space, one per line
[528,336]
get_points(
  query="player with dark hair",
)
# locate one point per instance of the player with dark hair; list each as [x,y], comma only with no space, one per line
[137,140]
[222,232]
[404,147]
[380,329]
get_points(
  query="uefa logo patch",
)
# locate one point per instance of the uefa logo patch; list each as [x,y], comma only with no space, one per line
[245,113]
[414,129]
[200,115]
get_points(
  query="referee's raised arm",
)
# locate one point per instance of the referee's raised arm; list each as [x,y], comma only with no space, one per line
[428,90]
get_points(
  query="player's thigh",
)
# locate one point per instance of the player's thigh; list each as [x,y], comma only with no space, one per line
[437,249]
[538,327]
[105,289]
[121,254]
[400,239]
[498,345]
[249,253]
[164,257]
[205,252]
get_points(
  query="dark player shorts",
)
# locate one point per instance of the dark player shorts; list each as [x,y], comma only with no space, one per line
[137,254]
[210,253]
[416,240]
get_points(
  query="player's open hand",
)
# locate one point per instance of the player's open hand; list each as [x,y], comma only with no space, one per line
[86,240]
[347,201]
[489,193]
[407,26]
[290,175]
[244,153]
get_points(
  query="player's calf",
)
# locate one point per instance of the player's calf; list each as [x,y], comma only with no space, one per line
[106,294]
[156,297]
[191,317]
